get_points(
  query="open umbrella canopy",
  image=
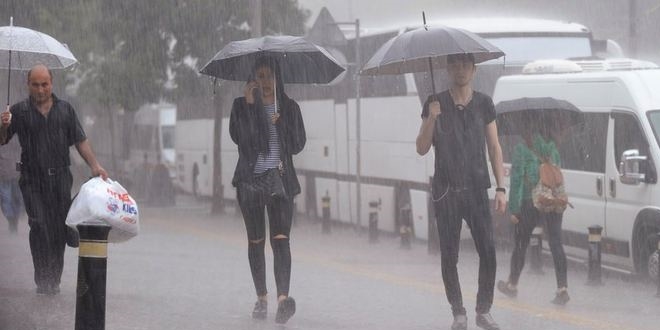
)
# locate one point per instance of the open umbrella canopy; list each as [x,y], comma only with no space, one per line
[22,48]
[300,61]
[427,48]
[533,113]
[29,47]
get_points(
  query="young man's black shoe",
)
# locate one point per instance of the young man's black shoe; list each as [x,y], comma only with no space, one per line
[41,290]
[260,309]
[285,310]
[460,322]
[561,298]
[48,290]
[486,321]
[506,289]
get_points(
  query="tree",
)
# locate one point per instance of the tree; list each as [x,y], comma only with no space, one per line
[135,52]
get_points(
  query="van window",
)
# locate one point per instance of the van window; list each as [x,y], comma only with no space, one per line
[654,119]
[628,135]
[583,147]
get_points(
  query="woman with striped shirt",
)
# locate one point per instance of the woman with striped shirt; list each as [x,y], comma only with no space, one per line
[268,129]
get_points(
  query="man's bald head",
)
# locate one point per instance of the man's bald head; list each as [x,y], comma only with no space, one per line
[40,84]
[40,70]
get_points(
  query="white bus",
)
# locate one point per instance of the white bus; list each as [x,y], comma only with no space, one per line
[390,106]
[152,137]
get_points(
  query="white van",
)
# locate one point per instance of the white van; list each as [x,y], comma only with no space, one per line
[610,163]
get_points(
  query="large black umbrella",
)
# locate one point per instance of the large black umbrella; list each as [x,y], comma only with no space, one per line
[534,113]
[300,61]
[426,49]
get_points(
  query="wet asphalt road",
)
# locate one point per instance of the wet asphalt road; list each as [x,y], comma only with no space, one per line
[189,270]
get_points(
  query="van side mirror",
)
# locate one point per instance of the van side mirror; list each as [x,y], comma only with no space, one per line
[632,169]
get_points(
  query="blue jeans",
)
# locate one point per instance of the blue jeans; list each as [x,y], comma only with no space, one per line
[11,200]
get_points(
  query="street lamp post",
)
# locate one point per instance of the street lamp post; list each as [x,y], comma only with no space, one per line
[358,169]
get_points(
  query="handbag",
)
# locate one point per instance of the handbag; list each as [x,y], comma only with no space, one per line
[266,186]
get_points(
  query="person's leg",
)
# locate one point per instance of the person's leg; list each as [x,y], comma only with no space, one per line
[280,217]
[553,225]
[58,206]
[39,240]
[7,204]
[17,201]
[523,231]
[449,222]
[254,218]
[481,226]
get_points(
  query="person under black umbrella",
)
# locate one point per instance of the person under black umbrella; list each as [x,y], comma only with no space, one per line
[457,123]
[268,129]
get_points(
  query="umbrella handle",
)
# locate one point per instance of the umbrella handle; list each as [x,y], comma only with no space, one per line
[9,77]
[432,78]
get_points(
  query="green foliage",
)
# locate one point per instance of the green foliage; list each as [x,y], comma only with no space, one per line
[129,49]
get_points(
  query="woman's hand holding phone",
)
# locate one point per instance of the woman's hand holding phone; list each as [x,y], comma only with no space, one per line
[249,91]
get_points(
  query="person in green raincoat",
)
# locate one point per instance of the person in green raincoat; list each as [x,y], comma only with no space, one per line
[538,142]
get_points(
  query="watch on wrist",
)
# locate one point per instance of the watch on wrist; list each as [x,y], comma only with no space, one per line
[498,189]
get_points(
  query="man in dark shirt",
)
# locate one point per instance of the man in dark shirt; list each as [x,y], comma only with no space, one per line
[47,127]
[459,123]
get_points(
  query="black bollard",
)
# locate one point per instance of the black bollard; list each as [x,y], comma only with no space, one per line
[405,227]
[325,209]
[536,249]
[92,266]
[374,206]
[594,277]
[657,256]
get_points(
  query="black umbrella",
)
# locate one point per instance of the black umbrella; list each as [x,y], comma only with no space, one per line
[300,61]
[535,112]
[426,49]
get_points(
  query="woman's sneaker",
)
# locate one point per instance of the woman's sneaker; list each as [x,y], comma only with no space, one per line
[260,309]
[561,298]
[506,289]
[285,310]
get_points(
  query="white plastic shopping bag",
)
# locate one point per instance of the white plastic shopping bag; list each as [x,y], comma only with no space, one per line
[109,202]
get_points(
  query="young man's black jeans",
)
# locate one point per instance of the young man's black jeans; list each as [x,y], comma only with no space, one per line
[472,206]
[528,219]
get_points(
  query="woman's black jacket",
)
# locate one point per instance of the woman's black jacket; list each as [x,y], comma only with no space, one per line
[248,127]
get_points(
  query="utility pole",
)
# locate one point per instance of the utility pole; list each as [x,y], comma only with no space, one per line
[632,20]
[358,167]
[255,18]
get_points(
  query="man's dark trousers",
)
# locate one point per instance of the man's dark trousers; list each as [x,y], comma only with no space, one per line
[47,196]
[451,209]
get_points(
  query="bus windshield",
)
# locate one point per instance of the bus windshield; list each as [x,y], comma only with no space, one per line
[522,50]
